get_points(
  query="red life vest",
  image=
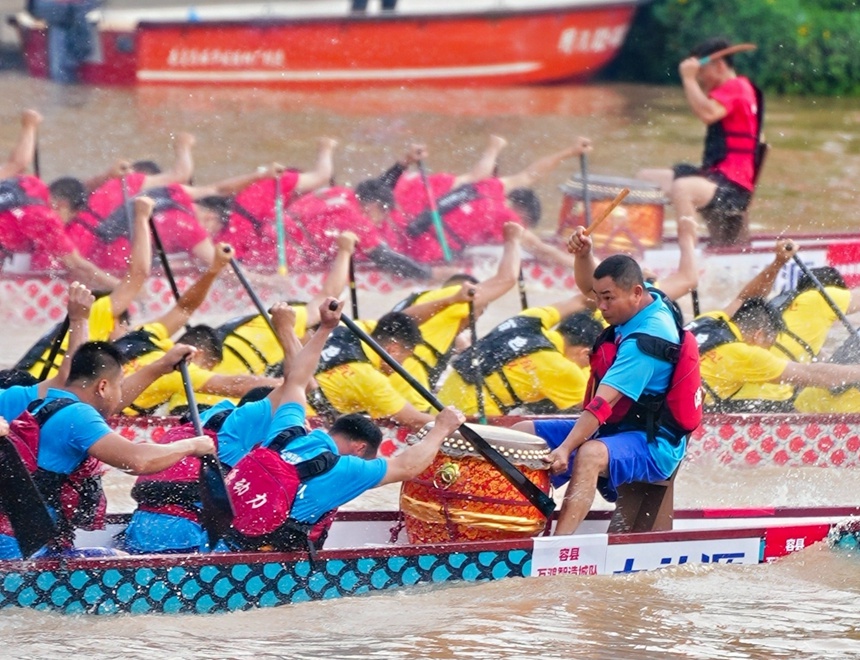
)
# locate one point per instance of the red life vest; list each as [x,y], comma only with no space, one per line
[78,497]
[679,409]
[263,487]
[176,490]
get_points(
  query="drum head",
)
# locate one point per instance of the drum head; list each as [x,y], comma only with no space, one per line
[607,187]
[518,447]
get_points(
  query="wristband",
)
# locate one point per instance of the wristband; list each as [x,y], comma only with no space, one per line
[600,408]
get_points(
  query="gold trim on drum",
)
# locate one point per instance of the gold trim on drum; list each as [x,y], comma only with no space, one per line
[518,447]
[433,513]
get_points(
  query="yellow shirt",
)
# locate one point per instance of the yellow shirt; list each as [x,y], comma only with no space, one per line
[535,377]
[740,371]
[442,329]
[163,388]
[810,318]
[99,326]
[360,386]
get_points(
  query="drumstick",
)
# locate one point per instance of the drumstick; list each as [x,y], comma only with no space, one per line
[731,50]
[606,212]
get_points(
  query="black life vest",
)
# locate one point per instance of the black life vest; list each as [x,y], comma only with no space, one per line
[719,142]
[36,357]
[679,409]
[13,196]
[136,343]
[515,338]
[447,203]
[228,330]
[78,497]
[342,347]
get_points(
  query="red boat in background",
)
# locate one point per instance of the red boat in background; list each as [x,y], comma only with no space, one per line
[324,43]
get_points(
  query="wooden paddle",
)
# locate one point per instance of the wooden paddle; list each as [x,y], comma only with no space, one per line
[23,503]
[434,212]
[279,227]
[240,275]
[540,500]
[830,302]
[56,344]
[353,292]
[217,513]
[586,193]
[475,362]
[724,52]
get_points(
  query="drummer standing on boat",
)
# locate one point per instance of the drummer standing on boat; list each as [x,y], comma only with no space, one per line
[640,406]
[732,108]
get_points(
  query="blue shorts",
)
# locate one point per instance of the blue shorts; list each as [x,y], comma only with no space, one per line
[629,457]
[149,532]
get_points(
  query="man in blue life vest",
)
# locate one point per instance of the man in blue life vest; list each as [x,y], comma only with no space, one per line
[347,453]
[632,428]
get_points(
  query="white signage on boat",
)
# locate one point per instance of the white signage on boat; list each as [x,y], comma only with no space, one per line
[226,57]
[600,40]
[632,557]
[579,554]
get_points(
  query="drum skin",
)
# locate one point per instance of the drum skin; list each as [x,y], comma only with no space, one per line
[637,223]
[462,497]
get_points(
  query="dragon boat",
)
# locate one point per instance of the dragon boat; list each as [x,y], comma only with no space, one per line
[394,42]
[368,552]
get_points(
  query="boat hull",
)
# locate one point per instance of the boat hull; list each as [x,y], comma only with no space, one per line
[205,584]
[562,41]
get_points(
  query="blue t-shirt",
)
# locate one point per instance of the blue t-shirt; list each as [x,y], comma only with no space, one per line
[350,477]
[67,436]
[245,427]
[634,373]
[15,400]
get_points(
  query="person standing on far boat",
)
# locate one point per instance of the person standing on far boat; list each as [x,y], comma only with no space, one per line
[642,400]
[732,108]
[70,36]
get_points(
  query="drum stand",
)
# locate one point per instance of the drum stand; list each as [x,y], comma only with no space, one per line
[644,507]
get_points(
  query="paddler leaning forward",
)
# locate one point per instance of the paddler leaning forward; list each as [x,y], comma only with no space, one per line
[635,424]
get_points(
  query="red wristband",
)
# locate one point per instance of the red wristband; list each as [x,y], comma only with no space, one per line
[600,408]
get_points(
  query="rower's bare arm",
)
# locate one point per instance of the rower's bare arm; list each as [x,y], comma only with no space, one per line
[544,252]
[140,259]
[135,383]
[336,278]
[87,272]
[415,459]
[189,301]
[761,285]
[819,374]
[543,166]
[23,153]
[579,245]
[147,457]
[235,184]
[284,321]
[505,278]
[320,176]
[305,363]
[182,168]
[236,386]
[705,108]
[116,170]
[78,308]
[409,416]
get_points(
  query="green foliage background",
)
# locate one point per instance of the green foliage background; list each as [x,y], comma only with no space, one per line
[804,46]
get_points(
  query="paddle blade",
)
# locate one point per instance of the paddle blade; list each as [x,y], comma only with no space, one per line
[217,510]
[22,502]
[540,500]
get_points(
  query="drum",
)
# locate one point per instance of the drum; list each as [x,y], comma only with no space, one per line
[635,225]
[462,497]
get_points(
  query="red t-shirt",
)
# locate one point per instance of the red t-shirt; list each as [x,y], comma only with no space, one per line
[411,195]
[34,228]
[737,96]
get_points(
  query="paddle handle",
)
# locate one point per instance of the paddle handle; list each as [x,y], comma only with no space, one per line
[521,287]
[731,50]
[353,292]
[831,303]
[56,344]
[243,280]
[279,227]
[607,211]
[476,360]
[193,412]
[162,257]
[540,500]
[586,192]
[434,212]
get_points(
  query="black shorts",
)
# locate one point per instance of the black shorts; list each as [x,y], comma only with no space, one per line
[728,201]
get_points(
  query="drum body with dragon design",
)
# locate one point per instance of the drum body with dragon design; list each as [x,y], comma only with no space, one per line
[462,497]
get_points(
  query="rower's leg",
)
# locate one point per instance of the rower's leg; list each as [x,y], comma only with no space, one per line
[592,459]
[690,193]
[662,177]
